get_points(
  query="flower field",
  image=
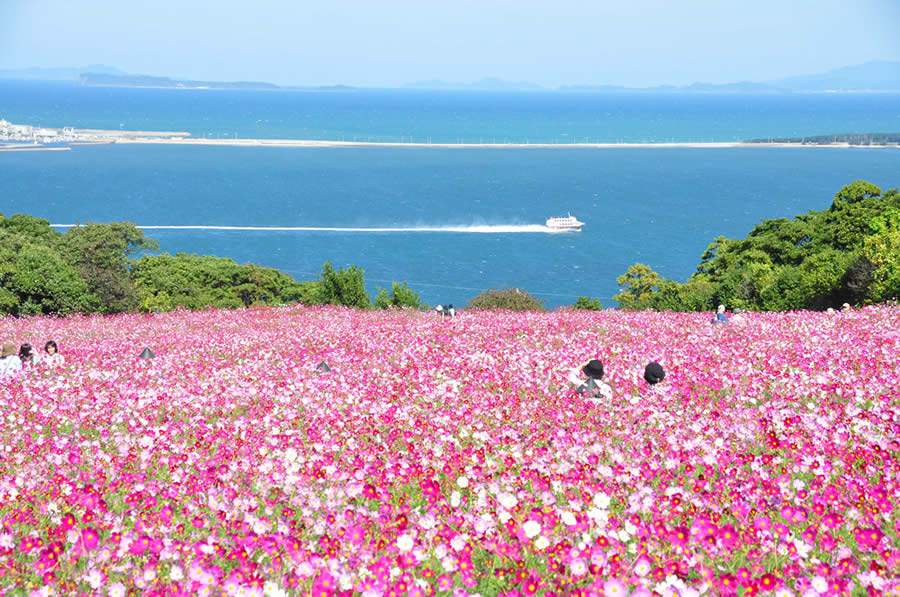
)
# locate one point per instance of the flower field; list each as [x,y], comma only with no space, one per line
[451,457]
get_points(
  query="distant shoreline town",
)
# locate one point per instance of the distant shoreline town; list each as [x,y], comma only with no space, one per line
[23,137]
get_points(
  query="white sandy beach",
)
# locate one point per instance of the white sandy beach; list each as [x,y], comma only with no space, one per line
[315,143]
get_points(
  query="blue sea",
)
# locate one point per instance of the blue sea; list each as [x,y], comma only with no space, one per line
[481,206]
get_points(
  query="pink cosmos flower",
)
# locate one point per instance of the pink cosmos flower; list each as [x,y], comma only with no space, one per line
[614,588]
[89,537]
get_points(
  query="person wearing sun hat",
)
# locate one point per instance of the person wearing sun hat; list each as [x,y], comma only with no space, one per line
[587,380]
[10,364]
[654,373]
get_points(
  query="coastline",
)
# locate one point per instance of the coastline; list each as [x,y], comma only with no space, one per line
[318,143]
[46,138]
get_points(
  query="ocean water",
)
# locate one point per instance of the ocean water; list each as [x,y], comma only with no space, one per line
[661,207]
[483,207]
[448,116]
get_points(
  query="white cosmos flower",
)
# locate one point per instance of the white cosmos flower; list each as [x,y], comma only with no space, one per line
[531,528]
[601,500]
[463,481]
[507,501]
[567,517]
[405,543]
[541,542]
[455,499]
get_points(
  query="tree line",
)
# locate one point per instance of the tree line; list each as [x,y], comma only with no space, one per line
[849,252]
[106,268]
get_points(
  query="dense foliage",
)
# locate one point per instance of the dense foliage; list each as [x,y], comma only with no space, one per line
[93,269]
[509,299]
[86,269]
[588,304]
[846,253]
[451,457]
[193,281]
[400,297]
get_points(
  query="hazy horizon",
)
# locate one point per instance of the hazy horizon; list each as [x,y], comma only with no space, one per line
[644,43]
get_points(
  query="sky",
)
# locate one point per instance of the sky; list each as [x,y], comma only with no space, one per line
[389,43]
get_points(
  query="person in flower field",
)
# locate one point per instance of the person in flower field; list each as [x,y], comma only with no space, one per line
[586,378]
[654,373]
[27,355]
[720,316]
[52,357]
[10,364]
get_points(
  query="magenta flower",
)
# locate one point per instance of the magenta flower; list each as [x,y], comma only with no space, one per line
[90,539]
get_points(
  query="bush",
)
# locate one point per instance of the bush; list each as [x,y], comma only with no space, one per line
[193,281]
[587,303]
[401,296]
[509,299]
[343,287]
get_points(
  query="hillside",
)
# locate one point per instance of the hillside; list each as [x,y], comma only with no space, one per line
[441,456]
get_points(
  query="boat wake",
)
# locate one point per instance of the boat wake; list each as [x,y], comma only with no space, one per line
[483,229]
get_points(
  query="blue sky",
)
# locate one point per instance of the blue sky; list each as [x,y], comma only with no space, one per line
[392,42]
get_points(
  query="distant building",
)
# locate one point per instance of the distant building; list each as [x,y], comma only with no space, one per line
[45,134]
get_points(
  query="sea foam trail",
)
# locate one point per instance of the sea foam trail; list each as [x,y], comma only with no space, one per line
[484,229]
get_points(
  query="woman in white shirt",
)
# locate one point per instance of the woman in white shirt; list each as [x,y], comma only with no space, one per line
[9,361]
[52,358]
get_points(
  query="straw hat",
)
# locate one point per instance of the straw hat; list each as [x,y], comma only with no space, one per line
[9,349]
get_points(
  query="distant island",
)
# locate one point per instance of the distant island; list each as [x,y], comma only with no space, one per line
[116,80]
[879,76]
[875,76]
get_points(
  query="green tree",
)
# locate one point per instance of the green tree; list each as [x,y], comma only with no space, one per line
[846,253]
[638,285]
[100,253]
[855,192]
[40,282]
[343,287]
[28,228]
[586,303]
[882,250]
[401,296]
[195,282]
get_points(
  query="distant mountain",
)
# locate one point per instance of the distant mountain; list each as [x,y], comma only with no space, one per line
[871,76]
[878,75]
[57,74]
[489,84]
[108,80]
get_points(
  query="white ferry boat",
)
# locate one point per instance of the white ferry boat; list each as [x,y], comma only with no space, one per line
[567,223]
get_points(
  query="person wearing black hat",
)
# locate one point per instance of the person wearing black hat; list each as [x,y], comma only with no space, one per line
[654,373]
[587,380]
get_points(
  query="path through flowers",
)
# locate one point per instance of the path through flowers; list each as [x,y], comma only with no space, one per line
[450,457]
